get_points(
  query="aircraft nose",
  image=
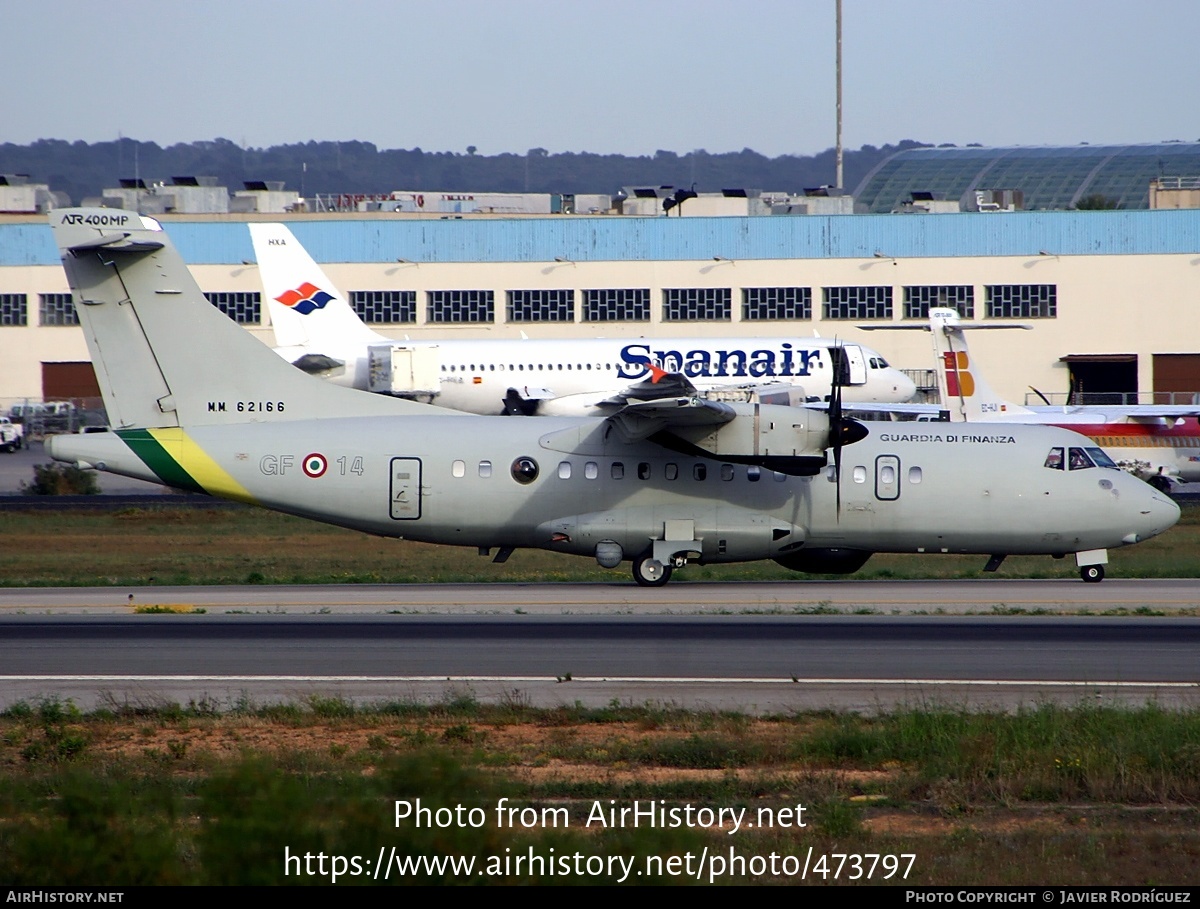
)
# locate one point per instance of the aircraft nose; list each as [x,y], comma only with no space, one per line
[905,388]
[1157,512]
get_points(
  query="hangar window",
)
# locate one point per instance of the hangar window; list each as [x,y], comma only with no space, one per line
[763,303]
[617,304]
[385,306]
[959,297]
[460,306]
[56,309]
[1021,301]
[873,302]
[12,309]
[541,306]
[244,307]
[689,304]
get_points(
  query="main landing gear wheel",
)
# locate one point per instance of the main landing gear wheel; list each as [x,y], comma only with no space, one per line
[1093,574]
[650,572]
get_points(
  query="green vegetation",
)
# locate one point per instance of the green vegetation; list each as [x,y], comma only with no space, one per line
[81,169]
[231,545]
[61,480]
[191,795]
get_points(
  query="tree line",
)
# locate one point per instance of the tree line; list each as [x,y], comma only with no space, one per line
[83,170]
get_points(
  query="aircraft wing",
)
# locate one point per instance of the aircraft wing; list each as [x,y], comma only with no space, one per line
[640,419]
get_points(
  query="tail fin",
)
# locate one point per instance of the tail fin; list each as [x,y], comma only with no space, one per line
[164,356]
[965,393]
[306,309]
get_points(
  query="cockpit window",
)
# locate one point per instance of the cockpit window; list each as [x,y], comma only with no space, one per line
[1054,460]
[1100,458]
[1079,459]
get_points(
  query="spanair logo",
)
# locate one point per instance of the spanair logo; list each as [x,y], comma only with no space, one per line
[305,299]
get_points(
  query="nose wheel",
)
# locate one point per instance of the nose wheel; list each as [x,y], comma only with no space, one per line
[650,572]
[1093,574]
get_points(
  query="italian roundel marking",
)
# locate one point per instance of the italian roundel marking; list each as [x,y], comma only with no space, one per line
[314,465]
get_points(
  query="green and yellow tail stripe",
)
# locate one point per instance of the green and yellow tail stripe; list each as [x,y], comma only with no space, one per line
[179,462]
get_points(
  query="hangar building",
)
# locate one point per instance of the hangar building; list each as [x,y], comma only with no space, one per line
[1113,296]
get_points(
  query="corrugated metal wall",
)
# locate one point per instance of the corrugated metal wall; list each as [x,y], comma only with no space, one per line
[667,239]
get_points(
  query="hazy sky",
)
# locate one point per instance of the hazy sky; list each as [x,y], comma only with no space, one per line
[599,75]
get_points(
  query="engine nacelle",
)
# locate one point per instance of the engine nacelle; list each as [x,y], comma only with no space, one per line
[790,440]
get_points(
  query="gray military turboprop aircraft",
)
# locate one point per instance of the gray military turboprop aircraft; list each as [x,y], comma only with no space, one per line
[197,403]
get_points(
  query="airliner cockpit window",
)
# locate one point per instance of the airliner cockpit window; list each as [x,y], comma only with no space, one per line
[1054,460]
[1079,459]
[1100,458]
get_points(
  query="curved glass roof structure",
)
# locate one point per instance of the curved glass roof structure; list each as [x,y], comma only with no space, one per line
[1051,177]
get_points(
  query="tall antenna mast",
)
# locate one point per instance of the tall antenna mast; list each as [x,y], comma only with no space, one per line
[839,93]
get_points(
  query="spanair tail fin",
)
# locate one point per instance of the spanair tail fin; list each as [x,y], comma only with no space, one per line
[307,311]
[164,356]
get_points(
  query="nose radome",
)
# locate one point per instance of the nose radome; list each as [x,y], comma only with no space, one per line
[1158,513]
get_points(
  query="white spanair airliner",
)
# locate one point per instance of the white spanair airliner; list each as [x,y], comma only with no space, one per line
[316,330]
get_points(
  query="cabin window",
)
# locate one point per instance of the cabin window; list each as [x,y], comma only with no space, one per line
[564,470]
[887,474]
[779,477]
[699,471]
[618,470]
[753,473]
[914,475]
[726,472]
[859,474]
[643,470]
[671,471]
[485,469]
[459,468]
[1054,460]
[591,470]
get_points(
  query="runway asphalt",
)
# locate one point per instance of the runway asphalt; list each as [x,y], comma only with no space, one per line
[704,646]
